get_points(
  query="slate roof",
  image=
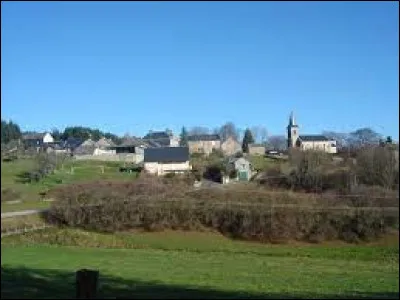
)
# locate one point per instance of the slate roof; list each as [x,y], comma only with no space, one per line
[166,154]
[313,138]
[157,135]
[33,136]
[256,145]
[203,137]
[132,141]
[72,143]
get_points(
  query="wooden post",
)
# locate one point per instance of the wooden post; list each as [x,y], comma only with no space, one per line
[86,284]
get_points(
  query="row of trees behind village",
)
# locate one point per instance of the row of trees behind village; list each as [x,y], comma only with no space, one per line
[11,131]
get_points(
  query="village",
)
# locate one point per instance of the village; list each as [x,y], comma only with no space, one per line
[163,152]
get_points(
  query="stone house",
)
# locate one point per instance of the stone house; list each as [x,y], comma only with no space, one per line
[204,143]
[308,142]
[161,139]
[231,146]
[161,161]
[104,147]
[37,140]
[242,167]
[256,149]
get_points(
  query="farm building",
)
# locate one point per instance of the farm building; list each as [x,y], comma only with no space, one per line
[161,161]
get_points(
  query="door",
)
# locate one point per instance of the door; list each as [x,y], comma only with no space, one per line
[243,176]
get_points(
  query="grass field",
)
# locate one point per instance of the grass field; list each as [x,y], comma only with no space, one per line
[30,192]
[196,265]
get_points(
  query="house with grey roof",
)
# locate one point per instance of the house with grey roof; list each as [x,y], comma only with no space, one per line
[164,160]
[37,140]
[204,143]
[161,139]
[308,142]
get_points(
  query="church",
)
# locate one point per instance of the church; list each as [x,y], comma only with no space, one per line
[308,142]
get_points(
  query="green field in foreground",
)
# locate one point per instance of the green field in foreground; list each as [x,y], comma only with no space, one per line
[29,193]
[196,265]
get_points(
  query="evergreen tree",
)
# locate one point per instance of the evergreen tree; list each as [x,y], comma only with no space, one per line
[247,139]
[184,137]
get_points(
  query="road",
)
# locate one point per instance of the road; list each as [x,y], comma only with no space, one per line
[22,213]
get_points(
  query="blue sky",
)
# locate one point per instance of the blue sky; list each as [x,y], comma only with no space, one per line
[127,67]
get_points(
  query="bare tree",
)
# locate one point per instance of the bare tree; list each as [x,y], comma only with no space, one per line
[277,142]
[198,130]
[259,133]
[364,136]
[229,130]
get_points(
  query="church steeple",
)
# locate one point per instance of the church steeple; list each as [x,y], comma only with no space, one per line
[291,120]
[292,131]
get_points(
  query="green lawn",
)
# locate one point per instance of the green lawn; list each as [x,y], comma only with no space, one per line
[30,192]
[196,265]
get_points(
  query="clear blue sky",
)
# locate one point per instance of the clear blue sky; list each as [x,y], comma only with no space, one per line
[131,66]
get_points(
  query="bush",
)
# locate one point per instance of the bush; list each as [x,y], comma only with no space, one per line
[247,213]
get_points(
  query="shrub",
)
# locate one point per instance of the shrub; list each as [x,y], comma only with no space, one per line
[247,213]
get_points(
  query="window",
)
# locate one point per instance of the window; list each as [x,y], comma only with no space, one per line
[333,145]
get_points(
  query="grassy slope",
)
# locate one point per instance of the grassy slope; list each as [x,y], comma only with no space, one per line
[83,171]
[165,264]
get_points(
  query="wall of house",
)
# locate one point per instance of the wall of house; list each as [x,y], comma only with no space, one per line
[128,157]
[174,141]
[162,169]
[325,146]
[230,147]
[256,150]
[48,138]
[99,151]
[203,146]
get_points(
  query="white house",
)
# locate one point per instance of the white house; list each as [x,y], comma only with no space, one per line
[160,161]
[242,166]
[37,140]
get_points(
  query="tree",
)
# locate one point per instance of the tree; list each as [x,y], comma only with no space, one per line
[56,134]
[277,142]
[228,130]
[247,139]
[260,134]
[184,137]
[198,130]
[389,140]
[9,131]
[364,136]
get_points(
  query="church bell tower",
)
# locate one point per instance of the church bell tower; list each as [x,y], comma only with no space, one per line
[292,132]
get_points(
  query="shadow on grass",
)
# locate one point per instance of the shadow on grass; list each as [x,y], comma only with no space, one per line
[56,284]
[24,177]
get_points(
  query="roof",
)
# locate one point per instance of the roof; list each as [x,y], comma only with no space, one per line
[103,142]
[72,142]
[157,135]
[203,137]
[132,141]
[166,154]
[256,145]
[313,138]
[235,159]
[33,136]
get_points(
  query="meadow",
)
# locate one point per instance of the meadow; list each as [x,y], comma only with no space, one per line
[27,195]
[203,244]
[195,265]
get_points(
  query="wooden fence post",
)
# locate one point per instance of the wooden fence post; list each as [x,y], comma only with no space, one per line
[86,284]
